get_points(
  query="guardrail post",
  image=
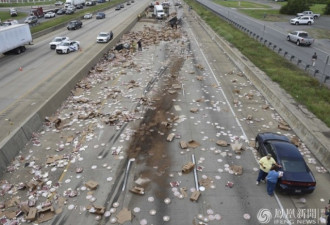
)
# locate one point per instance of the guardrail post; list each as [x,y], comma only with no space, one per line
[299,61]
[292,57]
[274,46]
[265,41]
[326,78]
[269,44]
[285,53]
[315,72]
[307,66]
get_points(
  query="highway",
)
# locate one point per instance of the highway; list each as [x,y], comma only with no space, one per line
[276,32]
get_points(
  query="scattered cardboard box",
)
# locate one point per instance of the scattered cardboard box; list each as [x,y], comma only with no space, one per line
[137,190]
[170,137]
[238,170]
[222,143]
[194,110]
[183,191]
[91,184]
[187,168]
[124,215]
[194,196]
[32,214]
[193,144]
[46,214]
[295,140]
[183,144]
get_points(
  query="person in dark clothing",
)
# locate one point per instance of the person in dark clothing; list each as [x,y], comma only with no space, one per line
[327,213]
[139,45]
[314,58]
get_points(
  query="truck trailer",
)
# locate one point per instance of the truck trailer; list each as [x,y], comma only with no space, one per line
[74,2]
[159,11]
[14,38]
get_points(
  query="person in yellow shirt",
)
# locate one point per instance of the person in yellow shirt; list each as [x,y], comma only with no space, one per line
[265,163]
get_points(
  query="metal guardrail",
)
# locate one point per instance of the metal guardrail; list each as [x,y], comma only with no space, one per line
[316,73]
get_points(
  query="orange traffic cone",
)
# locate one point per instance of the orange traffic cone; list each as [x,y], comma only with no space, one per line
[20,68]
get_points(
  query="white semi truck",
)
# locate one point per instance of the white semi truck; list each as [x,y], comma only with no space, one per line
[74,2]
[159,11]
[14,38]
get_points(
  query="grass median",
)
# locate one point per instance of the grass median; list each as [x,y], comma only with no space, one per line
[303,88]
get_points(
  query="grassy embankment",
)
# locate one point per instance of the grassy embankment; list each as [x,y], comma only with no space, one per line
[303,88]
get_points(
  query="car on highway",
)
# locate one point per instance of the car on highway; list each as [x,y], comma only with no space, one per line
[104,37]
[297,177]
[49,15]
[56,41]
[13,12]
[122,5]
[80,6]
[118,7]
[128,3]
[65,47]
[9,22]
[31,20]
[72,7]
[90,3]
[61,11]
[88,16]
[74,25]
[100,15]
[69,12]
[58,3]
[300,38]
[306,20]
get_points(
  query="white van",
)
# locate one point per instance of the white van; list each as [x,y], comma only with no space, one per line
[159,11]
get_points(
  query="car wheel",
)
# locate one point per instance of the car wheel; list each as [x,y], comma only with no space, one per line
[298,42]
[23,48]
[309,23]
[297,23]
[18,50]
[288,38]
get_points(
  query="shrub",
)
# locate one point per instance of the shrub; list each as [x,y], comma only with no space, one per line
[295,6]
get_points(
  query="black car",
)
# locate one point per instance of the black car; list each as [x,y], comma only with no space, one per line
[118,7]
[60,11]
[31,20]
[74,25]
[128,3]
[69,12]
[297,177]
[100,15]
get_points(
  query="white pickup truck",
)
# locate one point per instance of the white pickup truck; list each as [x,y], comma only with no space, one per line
[309,13]
[300,38]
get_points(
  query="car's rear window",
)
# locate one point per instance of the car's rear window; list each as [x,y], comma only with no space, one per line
[293,165]
[303,35]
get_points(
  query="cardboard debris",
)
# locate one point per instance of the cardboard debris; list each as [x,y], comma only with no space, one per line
[137,190]
[54,158]
[183,144]
[176,86]
[99,210]
[8,214]
[187,168]
[91,184]
[235,101]
[142,181]
[32,214]
[193,144]
[265,107]
[237,91]
[194,196]
[249,95]
[46,214]
[283,127]
[222,143]
[205,182]
[199,67]
[249,117]
[170,137]
[194,110]
[200,78]
[69,139]
[183,191]
[200,100]
[124,215]
[171,92]
[238,170]
[295,140]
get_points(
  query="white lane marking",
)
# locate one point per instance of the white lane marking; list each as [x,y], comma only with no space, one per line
[218,84]
[276,197]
